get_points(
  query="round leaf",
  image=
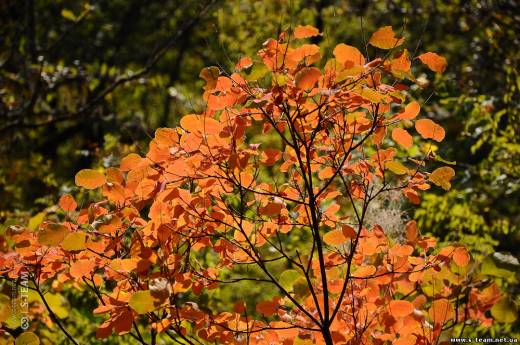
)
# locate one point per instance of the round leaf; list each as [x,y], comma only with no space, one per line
[27,338]
[52,234]
[442,176]
[142,302]
[505,310]
[90,179]
[74,241]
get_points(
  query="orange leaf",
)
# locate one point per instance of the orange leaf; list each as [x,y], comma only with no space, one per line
[384,38]
[348,231]
[412,232]
[334,238]
[401,308]
[270,156]
[90,179]
[402,137]
[268,308]
[210,76]
[67,203]
[410,112]
[461,256]
[401,64]
[365,271]
[131,161]
[326,173]
[441,311]
[429,129]
[201,124]
[305,31]
[307,77]
[434,61]
[82,268]
[412,195]
[309,52]
[272,209]
[244,63]
[348,56]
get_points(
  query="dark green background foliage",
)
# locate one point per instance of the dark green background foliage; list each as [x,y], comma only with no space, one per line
[82,84]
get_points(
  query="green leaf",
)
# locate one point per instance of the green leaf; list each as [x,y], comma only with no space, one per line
[36,220]
[489,267]
[442,160]
[505,310]
[257,72]
[280,79]
[142,302]
[27,338]
[288,278]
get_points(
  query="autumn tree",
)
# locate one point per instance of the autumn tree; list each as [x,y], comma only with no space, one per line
[270,184]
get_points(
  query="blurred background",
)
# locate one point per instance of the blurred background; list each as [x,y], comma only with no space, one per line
[84,83]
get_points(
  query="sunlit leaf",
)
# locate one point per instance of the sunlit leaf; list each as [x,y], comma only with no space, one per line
[305,31]
[90,179]
[505,311]
[52,234]
[27,338]
[434,61]
[384,38]
[442,177]
[142,302]
[430,130]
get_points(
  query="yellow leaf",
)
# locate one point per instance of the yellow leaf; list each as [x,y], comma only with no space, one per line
[36,220]
[142,302]
[442,176]
[27,338]
[74,241]
[52,234]
[5,308]
[396,168]
[505,310]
